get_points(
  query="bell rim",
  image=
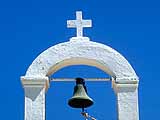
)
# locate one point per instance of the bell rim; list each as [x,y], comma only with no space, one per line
[77,102]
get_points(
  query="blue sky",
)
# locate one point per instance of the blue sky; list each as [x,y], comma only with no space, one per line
[28,27]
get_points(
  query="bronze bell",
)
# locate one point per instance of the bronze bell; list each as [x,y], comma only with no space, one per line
[80,98]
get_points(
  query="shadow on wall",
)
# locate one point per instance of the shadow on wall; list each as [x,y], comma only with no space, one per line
[33,92]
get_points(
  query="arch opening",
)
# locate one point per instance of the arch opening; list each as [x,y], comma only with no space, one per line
[60,92]
[80,61]
[84,71]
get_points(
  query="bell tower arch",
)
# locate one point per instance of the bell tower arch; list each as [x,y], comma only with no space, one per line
[80,50]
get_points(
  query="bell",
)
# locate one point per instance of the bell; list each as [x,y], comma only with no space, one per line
[80,98]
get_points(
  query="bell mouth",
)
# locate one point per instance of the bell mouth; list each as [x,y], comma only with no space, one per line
[80,103]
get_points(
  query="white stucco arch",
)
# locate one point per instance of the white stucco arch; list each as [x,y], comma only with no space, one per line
[81,51]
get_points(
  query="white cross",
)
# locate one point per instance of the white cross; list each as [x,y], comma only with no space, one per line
[79,23]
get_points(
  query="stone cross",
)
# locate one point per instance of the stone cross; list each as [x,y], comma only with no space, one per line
[79,23]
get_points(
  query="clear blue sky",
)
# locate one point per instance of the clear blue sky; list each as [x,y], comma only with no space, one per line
[28,27]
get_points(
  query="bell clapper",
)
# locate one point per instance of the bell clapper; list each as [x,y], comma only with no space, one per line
[86,115]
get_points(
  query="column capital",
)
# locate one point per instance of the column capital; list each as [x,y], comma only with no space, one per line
[128,86]
[127,80]
[35,82]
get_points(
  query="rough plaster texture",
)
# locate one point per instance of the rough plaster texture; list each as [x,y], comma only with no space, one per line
[80,50]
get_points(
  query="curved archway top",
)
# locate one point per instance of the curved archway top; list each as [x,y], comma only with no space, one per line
[80,50]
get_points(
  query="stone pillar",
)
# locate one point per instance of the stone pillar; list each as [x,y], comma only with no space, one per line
[127,100]
[34,97]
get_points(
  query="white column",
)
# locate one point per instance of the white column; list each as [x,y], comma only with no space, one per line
[34,98]
[127,101]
